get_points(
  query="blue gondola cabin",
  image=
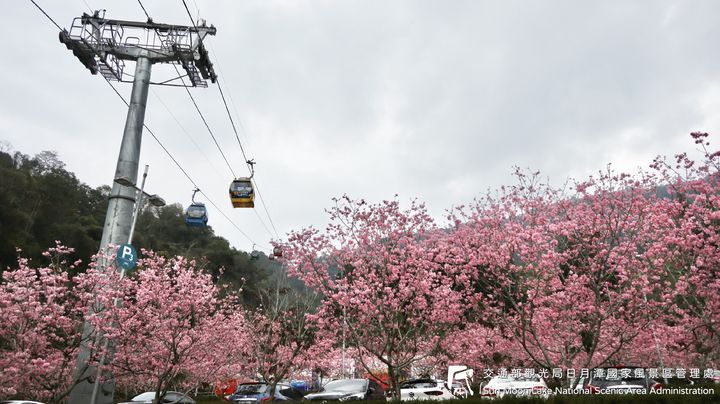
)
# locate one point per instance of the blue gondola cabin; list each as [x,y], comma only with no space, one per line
[196,215]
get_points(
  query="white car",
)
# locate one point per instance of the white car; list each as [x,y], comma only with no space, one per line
[19,402]
[518,386]
[169,397]
[425,389]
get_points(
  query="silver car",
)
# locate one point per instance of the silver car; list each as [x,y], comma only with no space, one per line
[168,398]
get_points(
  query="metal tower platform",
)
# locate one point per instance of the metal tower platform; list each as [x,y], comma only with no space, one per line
[103,46]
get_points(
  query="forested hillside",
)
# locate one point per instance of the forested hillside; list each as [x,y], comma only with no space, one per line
[43,202]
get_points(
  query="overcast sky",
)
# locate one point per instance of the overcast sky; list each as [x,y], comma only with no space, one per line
[435,100]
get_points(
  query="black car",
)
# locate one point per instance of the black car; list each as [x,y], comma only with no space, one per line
[349,389]
[617,380]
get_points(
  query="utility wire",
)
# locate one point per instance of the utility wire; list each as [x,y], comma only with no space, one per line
[161,144]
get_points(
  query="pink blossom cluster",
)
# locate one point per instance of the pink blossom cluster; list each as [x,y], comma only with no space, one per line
[617,269]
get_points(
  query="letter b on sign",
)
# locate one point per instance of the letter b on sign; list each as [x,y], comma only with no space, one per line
[126,256]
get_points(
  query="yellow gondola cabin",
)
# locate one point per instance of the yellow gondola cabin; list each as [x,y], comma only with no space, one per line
[242,194]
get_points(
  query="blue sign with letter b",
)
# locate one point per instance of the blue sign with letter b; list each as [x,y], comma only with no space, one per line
[126,256]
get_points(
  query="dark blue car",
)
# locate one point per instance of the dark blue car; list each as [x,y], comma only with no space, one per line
[257,393]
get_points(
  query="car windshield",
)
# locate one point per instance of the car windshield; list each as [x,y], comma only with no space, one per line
[241,186]
[291,392]
[419,384]
[251,388]
[196,211]
[346,385]
[147,396]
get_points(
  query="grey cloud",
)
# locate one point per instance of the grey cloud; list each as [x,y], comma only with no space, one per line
[429,99]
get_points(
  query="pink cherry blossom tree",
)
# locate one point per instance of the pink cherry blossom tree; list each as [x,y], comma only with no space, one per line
[168,325]
[690,254]
[560,273]
[482,347]
[41,318]
[281,333]
[387,292]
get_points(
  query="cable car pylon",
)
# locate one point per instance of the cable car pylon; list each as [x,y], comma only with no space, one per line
[103,46]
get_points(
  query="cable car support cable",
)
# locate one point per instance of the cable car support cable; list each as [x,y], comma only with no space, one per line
[159,142]
[232,122]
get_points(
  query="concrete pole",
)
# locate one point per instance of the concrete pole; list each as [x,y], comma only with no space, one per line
[136,213]
[118,219]
[122,199]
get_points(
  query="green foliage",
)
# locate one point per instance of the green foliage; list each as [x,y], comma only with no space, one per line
[42,202]
[163,230]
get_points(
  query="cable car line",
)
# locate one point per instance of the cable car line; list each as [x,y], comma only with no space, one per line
[177,164]
[46,15]
[144,11]
[232,122]
[262,202]
[210,163]
[242,149]
[212,135]
[243,129]
[254,182]
[183,170]
[237,136]
[248,162]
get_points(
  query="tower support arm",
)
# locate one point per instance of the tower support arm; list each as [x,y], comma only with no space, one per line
[211,30]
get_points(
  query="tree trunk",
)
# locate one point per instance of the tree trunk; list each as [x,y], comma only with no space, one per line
[394,385]
[273,385]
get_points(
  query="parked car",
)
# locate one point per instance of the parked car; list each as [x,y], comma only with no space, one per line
[521,386]
[615,382]
[259,392]
[169,397]
[301,385]
[19,402]
[426,389]
[349,389]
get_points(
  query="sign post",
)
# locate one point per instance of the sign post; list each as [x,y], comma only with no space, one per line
[126,257]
